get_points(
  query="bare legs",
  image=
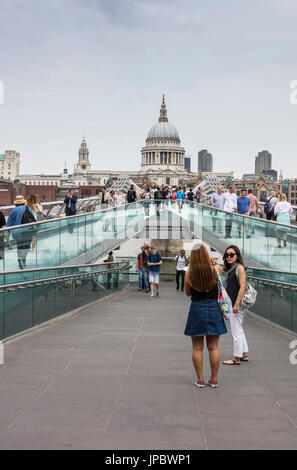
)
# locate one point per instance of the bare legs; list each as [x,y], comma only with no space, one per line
[197,356]
[214,356]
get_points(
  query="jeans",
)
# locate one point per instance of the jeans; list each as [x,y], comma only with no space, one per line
[140,277]
[145,273]
[178,275]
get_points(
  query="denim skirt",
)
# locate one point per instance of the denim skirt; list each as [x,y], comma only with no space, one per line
[205,318]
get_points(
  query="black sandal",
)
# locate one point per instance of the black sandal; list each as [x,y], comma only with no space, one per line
[232,362]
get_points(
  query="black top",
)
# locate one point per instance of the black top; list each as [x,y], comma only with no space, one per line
[198,296]
[232,284]
[2,220]
[164,193]
[131,195]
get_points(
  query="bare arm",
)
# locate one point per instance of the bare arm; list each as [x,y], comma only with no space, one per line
[216,265]
[242,282]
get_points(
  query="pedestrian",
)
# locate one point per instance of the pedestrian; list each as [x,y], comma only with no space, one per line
[190,195]
[111,200]
[180,262]
[157,198]
[230,206]
[282,211]
[34,203]
[70,201]
[119,199]
[235,287]
[3,234]
[108,276]
[217,200]
[139,269]
[154,263]
[244,209]
[104,198]
[147,197]
[269,205]
[198,194]
[205,317]
[131,194]
[254,208]
[180,196]
[145,268]
[21,215]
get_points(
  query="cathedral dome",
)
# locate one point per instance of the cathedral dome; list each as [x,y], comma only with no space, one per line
[163,130]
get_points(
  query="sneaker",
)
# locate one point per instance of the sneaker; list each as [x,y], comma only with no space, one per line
[199,384]
[177,288]
[139,290]
[157,294]
[147,291]
[152,296]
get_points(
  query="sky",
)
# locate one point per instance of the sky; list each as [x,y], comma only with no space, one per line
[99,68]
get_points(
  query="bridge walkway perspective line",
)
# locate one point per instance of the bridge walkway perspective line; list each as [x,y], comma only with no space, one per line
[118,375]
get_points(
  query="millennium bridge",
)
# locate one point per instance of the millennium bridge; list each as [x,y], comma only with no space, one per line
[90,363]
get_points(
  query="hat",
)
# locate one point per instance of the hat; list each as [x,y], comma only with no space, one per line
[19,200]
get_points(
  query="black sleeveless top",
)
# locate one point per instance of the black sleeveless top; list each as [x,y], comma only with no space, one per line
[197,296]
[232,284]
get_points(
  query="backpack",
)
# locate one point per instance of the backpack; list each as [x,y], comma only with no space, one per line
[190,196]
[174,196]
[157,195]
[27,218]
[268,209]
[249,297]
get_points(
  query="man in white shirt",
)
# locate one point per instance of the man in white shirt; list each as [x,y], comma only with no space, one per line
[217,201]
[230,205]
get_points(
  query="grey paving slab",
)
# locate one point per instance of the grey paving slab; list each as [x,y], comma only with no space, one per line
[119,375]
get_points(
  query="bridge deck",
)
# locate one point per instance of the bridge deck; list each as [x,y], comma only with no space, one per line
[118,375]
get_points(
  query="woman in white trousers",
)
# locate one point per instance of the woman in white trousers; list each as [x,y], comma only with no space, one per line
[236,282]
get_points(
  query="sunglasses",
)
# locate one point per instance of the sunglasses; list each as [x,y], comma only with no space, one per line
[230,255]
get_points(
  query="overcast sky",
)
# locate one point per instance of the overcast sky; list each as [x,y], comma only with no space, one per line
[100,67]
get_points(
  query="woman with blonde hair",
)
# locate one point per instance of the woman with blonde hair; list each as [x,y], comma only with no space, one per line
[282,211]
[205,317]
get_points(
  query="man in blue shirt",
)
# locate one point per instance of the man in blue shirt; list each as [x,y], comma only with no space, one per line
[243,208]
[180,196]
[154,262]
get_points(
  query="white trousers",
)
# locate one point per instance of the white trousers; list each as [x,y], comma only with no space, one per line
[239,340]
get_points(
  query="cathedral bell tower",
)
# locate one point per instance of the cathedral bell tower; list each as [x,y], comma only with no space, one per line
[83,165]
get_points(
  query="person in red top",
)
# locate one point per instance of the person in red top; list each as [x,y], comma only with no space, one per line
[139,268]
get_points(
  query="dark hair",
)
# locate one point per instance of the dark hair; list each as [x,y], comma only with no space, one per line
[243,189]
[239,257]
[250,191]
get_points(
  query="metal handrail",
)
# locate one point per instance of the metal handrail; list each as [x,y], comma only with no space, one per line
[52,280]
[52,268]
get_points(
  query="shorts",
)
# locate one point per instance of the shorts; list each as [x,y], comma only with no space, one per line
[154,277]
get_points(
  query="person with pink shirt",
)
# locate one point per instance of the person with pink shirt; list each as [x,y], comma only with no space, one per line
[254,208]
